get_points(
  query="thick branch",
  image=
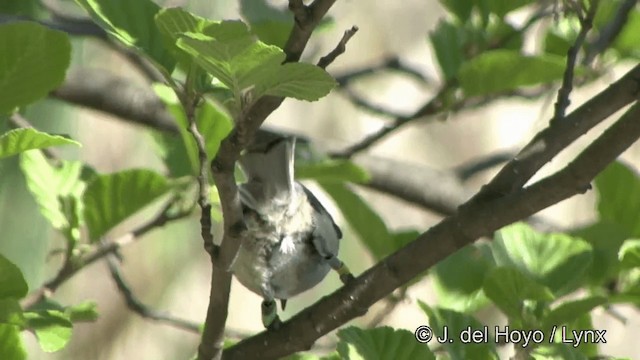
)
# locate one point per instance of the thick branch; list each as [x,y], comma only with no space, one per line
[118,96]
[546,144]
[478,218]
[306,20]
[439,191]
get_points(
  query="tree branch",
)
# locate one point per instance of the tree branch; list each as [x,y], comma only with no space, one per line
[475,219]
[339,49]
[138,307]
[438,191]
[547,143]
[222,168]
[99,252]
[101,90]
[562,102]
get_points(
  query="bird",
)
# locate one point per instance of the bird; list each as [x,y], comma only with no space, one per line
[290,241]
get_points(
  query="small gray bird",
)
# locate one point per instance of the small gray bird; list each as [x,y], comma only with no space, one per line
[291,241]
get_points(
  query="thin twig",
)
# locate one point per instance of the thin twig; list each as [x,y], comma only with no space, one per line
[366,105]
[138,307]
[479,217]
[392,301]
[475,166]
[99,252]
[389,64]
[190,103]
[339,49]
[306,19]
[610,31]
[431,107]
[562,102]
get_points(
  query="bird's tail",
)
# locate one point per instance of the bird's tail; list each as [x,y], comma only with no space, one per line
[269,171]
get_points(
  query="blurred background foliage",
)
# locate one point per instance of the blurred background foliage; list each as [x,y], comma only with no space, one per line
[434,42]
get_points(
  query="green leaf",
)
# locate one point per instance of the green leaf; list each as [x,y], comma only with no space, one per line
[455,323]
[364,221]
[556,44]
[172,23]
[501,70]
[132,22]
[23,7]
[618,190]
[380,343]
[556,352]
[11,346]
[557,261]
[448,41]
[503,7]
[332,171]
[245,66]
[213,124]
[48,185]
[460,8]
[111,198]
[12,283]
[10,310]
[626,43]
[20,140]
[271,25]
[570,311]
[458,278]
[629,254]
[605,239]
[85,311]
[35,60]
[508,288]
[52,328]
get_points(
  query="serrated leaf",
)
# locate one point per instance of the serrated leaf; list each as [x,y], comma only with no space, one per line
[558,261]
[52,328]
[501,70]
[35,60]
[132,22]
[629,254]
[458,278]
[20,140]
[508,288]
[332,171]
[454,323]
[380,343]
[172,23]
[245,66]
[48,184]
[364,221]
[111,198]
[618,190]
[11,346]
[570,311]
[12,283]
